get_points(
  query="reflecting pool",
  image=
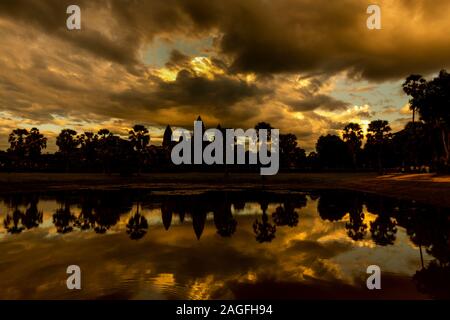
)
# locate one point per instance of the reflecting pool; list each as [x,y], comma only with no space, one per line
[137,244]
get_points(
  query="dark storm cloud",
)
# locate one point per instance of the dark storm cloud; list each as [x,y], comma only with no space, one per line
[311,98]
[215,96]
[261,36]
[124,52]
[177,59]
[321,101]
[324,36]
[331,36]
[50,16]
[103,71]
[189,89]
[324,251]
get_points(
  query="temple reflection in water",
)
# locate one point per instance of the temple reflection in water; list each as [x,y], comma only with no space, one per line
[283,241]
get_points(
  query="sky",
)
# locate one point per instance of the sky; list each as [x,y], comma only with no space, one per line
[306,67]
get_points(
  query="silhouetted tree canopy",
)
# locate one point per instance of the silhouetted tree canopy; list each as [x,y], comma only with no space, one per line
[333,152]
[421,145]
[353,137]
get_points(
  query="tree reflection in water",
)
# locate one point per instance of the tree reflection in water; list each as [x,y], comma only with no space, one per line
[109,209]
[223,219]
[333,206]
[166,213]
[13,223]
[427,227]
[19,220]
[434,280]
[285,214]
[431,229]
[32,217]
[264,231]
[137,225]
[383,229]
[63,219]
[86,218]
[356,228]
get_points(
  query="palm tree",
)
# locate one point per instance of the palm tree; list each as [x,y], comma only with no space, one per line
[288,147]
[67,143]
[431,100]
[139,139]
[266,126]
[105,147]
[17,141]
[35,142]
[18,145]
[26,144]
[104,134]
[353,136]
[88,147]
[414,86]
[378,135]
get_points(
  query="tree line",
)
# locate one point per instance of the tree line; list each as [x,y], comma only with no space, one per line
[423,144]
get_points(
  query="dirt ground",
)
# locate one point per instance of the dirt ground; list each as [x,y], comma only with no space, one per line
[424,188]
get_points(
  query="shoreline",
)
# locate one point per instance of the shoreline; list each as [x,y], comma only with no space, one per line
[423,188]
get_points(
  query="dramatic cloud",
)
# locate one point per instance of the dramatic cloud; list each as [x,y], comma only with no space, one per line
[212,95]
[319,101]
[262,36]
[303,65]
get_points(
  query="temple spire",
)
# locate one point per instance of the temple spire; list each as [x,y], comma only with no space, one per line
[167,138]
[203,124]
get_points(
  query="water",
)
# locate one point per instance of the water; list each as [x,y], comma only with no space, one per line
[135,244]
